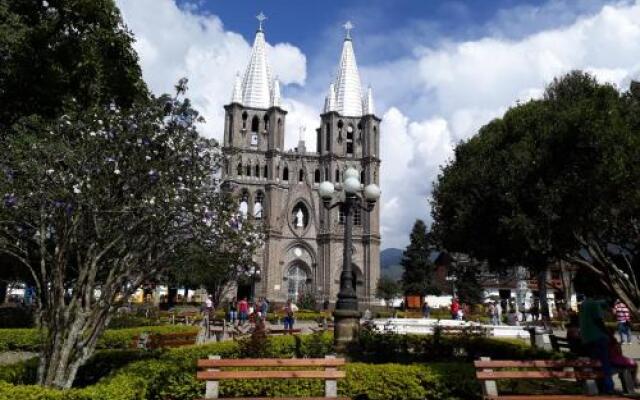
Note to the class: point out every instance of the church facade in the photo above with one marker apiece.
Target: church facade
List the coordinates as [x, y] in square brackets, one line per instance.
[278, 188]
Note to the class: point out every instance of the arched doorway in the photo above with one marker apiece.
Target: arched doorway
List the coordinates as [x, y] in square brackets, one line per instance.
[297, 277]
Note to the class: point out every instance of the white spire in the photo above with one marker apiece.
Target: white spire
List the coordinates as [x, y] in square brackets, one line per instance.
[330, 100]
[368, 105]
[348, 89]
[236, 97]
[275, 93]
[256, 83]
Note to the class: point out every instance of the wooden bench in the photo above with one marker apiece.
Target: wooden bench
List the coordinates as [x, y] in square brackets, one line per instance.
[209, 370]
[587, 371]
[165, 340]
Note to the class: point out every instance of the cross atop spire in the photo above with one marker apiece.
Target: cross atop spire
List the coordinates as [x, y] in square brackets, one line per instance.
[261, 18]
[348, 26]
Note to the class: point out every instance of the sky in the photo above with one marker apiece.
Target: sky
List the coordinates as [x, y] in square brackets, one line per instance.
[439, 70]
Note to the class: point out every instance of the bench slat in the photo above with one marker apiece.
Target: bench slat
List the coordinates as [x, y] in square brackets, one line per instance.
[555, 397]
[218, 375]
[288, 398]
[537, 364]
[496, 375]
[272, 362]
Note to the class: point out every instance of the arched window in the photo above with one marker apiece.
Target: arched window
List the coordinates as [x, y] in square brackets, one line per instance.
[374, 146]
[266, 123]
[258, 205]
[248, 170]
[244, 204]
[326, 174]
[350, 140]
[255, 124]
[265, 172]
[301, 176]
[296, 282]
[239, 169]
[279, 127]
[285, 174]
[244, 120]
[327, 136]
[362, 177]
[257, 173]
[316, 176]
[337, 175]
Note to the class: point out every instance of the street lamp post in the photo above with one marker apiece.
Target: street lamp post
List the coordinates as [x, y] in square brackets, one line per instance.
[452, 278]
[346, 314]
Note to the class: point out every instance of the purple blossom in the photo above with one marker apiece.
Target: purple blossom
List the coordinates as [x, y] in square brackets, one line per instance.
[10, 200]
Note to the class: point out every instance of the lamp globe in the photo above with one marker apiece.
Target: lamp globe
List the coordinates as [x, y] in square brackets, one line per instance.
[326, 189]
[372, 192]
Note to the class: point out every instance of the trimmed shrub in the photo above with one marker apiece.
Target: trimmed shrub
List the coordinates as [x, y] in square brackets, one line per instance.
[30, 339]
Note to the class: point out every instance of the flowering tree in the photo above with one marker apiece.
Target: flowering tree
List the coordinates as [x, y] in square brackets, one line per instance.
[98, 203]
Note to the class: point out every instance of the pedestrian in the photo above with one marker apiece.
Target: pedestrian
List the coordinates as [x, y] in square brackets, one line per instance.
[243, 310]
[491, 312]
[595, 338]
[499, 312]
[233, 311]
[618, 360]
[289, 315]
[426, 310]
[264, 309]
[623, 317]
[455, 307]
[208, 306]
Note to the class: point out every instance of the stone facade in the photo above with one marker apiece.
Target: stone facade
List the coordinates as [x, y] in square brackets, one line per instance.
[277, 187]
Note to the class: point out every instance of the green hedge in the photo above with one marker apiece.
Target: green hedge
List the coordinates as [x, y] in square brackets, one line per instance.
[30, 339]
[171, 375]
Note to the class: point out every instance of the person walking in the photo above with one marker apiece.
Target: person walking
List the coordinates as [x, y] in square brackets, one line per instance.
[243, 310]
[289, 315]
[264, 309]
[595, 338]
[426, 310]
[623, 317]
[493, 315]
[233, 311]
[455, 308]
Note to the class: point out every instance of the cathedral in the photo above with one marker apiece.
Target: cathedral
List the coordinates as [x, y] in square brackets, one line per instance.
[278, 188]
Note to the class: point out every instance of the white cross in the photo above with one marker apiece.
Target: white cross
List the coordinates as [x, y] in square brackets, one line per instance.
[261, 18]
[348, 26]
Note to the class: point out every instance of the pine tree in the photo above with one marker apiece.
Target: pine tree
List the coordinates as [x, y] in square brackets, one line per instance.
[418, 268]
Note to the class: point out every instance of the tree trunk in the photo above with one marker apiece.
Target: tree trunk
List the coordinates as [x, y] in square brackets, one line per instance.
[3, 291]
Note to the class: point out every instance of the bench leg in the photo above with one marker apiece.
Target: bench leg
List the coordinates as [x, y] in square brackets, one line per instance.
[212, 390]
[628, 384]
[489, 388]
[330, 386]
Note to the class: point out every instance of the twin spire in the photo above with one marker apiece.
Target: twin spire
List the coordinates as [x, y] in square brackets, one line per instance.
[257, 89]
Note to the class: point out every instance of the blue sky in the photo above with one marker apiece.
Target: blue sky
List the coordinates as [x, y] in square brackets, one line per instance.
[439, 69]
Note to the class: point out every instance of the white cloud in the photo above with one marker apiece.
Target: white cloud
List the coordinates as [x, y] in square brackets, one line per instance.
[430, 98]
[178, 42]
[457, 87]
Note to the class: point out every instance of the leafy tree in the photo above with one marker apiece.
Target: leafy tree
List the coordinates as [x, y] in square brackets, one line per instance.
[60, 52]
[388, 289]
[418, 268]
[468, 287]
[206, 264]
[103, 199]
[553, 179]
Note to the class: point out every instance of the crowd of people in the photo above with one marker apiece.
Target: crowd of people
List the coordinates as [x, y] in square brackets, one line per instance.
[242, 311]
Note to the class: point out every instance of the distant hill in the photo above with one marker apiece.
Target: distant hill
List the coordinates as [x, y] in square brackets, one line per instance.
[390, 263]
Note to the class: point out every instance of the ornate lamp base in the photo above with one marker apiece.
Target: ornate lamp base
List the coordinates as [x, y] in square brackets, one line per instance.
[346, 327]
